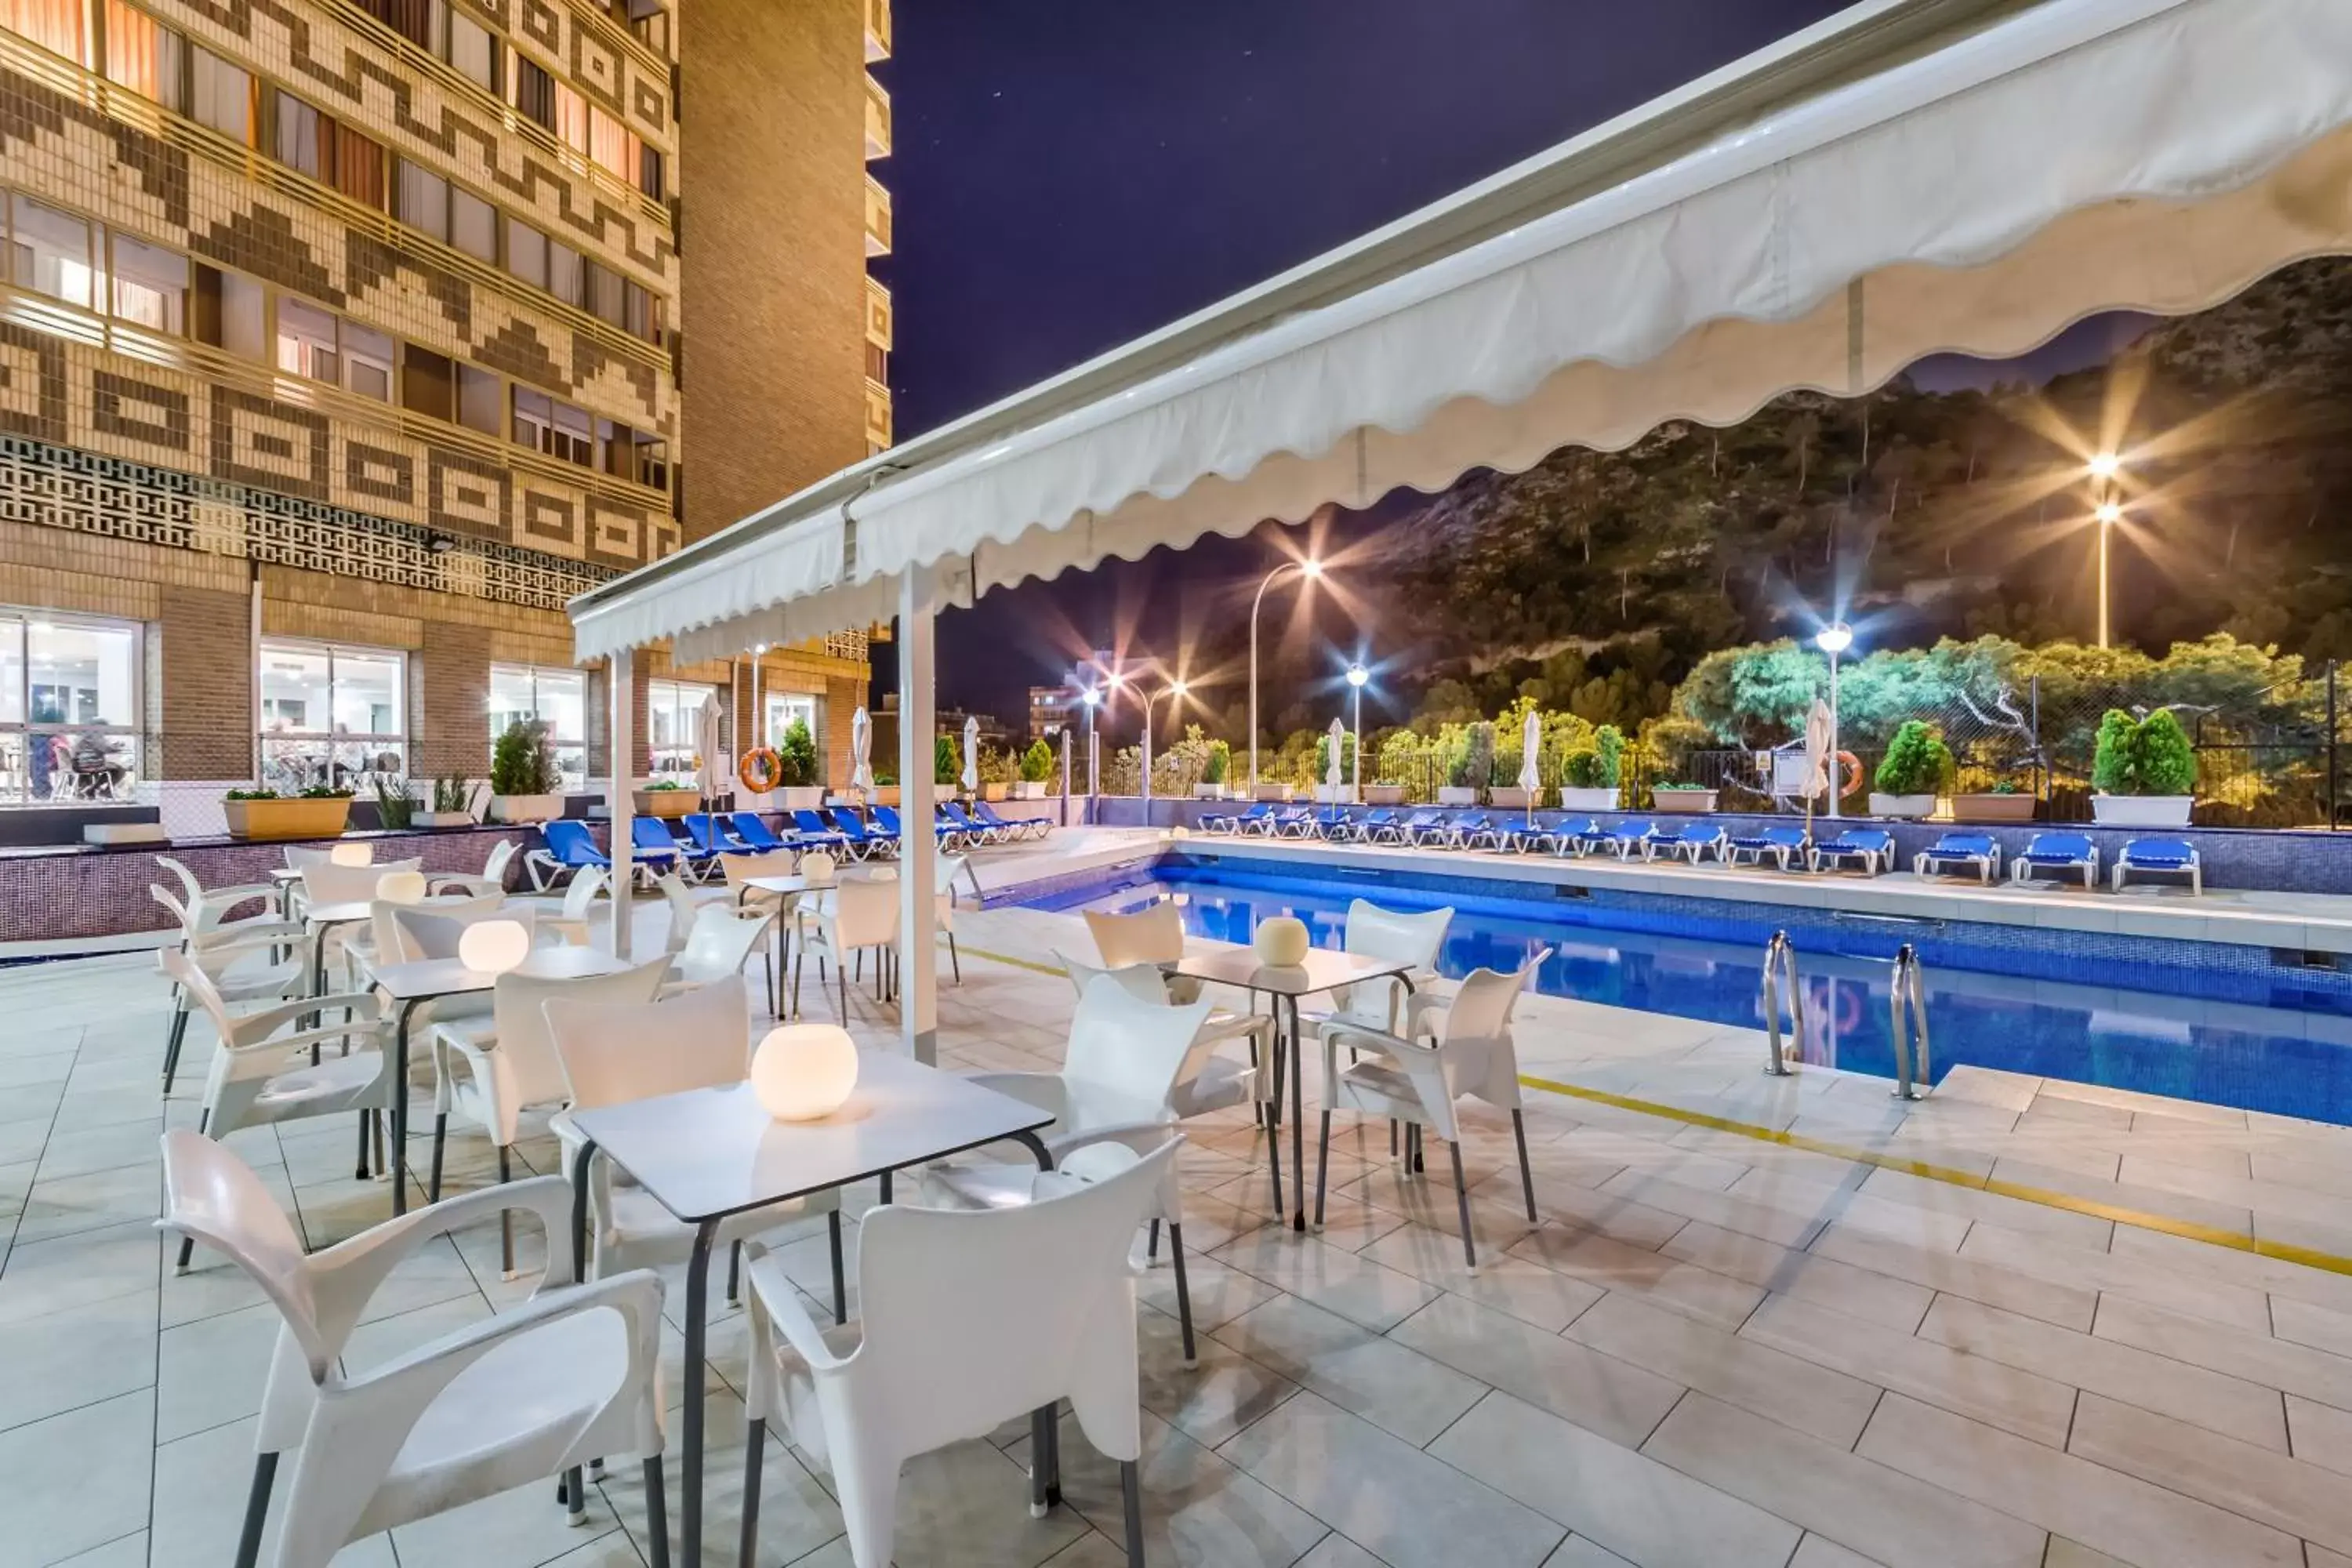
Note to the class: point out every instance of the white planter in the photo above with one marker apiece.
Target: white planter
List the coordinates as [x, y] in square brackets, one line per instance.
[1457, 795]
[1598, 798]
[1208, 792]
[2142, 810]
[1681, 801]
[1029, 789]
[798, 798]
[1908, 805]
[124, 832]
[526, 807]
[1326, 795]
[442, 819]
[1280, 792]
[1384, 794]
[1511, 798]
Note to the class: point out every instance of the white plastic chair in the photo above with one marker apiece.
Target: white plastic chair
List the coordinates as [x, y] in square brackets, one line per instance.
[210, 907]
[224, 954]
[1209, 1082]
[859, 915]
[572, 919]
[965, 1320]
[685, 909]
[1128, 1052]
[528, 1393]
[1153, 934]
[1408, 1081]
[302, 857]
[489, 1070]
[949, 867]
[258, 1075]
[328, 883]
[1398, 938]
[717, 948]
[614, 1053]
[492, 879]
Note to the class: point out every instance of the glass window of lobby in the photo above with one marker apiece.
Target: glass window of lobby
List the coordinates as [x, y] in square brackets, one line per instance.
[70, 708]
[331, 715]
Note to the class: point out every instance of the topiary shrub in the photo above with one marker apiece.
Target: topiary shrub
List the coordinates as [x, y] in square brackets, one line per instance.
[2143, 757]
[946, 767]
[1473, 765]
[1609, 745]
[1917, 762]
[2111, 760]
[1584, 770]
[796, 757]
[1220, 764]
[1036, 763]
[523, 760]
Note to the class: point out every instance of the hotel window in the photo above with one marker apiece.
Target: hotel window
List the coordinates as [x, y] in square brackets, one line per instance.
[367, 362]
[556, 429]
[230, 313]
[614, 145]
[70, 706]
[331, 715]
[359, 166]
[783, 708]
[479, 405]
[527, 253]
[534, 92]
[150, 286]
[632, 455]
[563, 274]
[673, 719]
[220, 95]
[424, 198]
[559, 698]
[57, 25]
[473, 225]
[305, 138]
[50, 253]
[643, 313]
[650, 177]
[607, 301]
[570, 123]
[145, 57]
[305, 341]
[474, 50]
[419, 21]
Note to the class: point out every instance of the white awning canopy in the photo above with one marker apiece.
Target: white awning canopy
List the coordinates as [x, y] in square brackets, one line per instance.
[1908, 178]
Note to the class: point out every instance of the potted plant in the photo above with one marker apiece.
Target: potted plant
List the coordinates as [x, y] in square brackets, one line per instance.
[1401, 757]
[1589, 773]
[395, 808]
[1682, 799]
[997, 770]
[1466, 768]
[1214, 773]
[1036, 767]
[1913, 773]
[2004, 802]
[665, 798]
[885, 787]
[523, 780]
[318, 812]
[797, 769]
[452, 805]
[2143, 770]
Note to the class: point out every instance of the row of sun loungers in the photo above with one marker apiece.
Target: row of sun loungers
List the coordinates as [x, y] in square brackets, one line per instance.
[1871, 850]
[567, 846]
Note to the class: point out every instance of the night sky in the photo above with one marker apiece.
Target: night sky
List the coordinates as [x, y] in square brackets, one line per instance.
[1069, 175]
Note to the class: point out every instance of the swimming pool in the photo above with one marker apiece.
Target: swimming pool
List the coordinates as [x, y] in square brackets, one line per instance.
[2216, 1025]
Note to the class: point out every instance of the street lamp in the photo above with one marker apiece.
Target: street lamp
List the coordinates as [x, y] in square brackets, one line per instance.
[1834, 640]
[2104, 468]
[1357, 676]
[1092, 698]
[1176, 689]
[1309, 570]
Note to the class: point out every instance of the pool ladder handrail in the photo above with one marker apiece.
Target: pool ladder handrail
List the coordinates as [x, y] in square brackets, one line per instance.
[1779, 981]
[1908, 993]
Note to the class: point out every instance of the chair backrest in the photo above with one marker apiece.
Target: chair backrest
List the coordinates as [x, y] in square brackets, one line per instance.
[718, 944]
[1792, 836]
[1963, 844]
[2178, 850]
[587, 883]
[810, 821]
[818, 866]
[192, 891]
[569, 842]
[701, 829]
[752, 830]
[430, 932]
[1144, 982]
[1634, 827]
[517, 1007]
[181, 967]
[849, 823]
[741, 868]
[615, 1052]
[212, 1196]
[1125, 1050]
[865, 911]
[682, 908]
[392, 944]
[2078, 844]
[1391, 934]
[945, 869]
[652, 833]
[494, 865]
[1153, 934]
[888, 819]
[181, 913]
[1482, 1057]
[1044, 1306]
[302, 857]
[330, 884]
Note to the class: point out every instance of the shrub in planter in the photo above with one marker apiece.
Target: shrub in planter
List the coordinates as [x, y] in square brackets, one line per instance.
[318, 812]
[523, 780]
[1914, 772]
[947, 768]
[796, 757]
[1036, 769]
[395, 808]
[2143, 770]
[1589, 775]
[452, 804]
[665, 798]
[2004, 802]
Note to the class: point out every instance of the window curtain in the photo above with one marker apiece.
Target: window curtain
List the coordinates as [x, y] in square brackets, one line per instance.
[359, 163]
[61, 26]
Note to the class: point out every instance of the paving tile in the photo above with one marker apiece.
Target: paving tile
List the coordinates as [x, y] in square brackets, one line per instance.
[2321, 1434]
[1845, 1204]
[45, 1277]
[76, 1481]
[1743, 1372]
[1384, 1380]
[1858, 1503]
[1810, 1276]
[1788, 1224]
[1577, 1551]
[2142, 1524]
[1568, 1378]
[1409, 1508]
[2229, 1406]
[1993, 1208]
[2288, 1494]
[1336, 1551]
[1529, 1291]
[1815, 1552]
[81, 1356]
[2019, 1401]
[1213, 1400]
[1634, 1506]
[2075, 1268]
[2229, 1267]
[2253, 1358]
[1959, 1275]
[1355, 1288]
[2065, 1553]
[1664, 1278]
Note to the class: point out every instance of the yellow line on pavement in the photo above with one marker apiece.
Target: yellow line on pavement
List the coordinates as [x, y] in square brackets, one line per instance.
[1950, 1175]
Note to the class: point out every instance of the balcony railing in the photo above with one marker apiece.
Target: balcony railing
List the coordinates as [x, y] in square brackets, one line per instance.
[877, 30]
[878, 413]
[877, 120]
[878, 218]
[877, 314]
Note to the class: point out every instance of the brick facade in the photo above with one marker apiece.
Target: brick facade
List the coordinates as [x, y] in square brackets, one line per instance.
[200, 684]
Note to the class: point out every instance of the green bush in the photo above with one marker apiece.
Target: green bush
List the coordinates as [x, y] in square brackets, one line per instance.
[1583, 770]
[2143, 757]
[796, 757]
[1346, 758]
[523, 760]
[1473, 765]
[1609, 745]
[1219, 764]
[395, 808]
[946, 766]
[323, 792]
[1917, 762]
[1037, 762]
[452, 793]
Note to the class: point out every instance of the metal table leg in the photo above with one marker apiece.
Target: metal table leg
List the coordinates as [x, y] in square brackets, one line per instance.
[697, 1306]
[400, 1110]
[1044, 1426]
[1289, 1005]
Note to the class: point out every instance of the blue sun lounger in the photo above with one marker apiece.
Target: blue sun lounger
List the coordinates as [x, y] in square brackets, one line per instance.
[1780, 843]
[1623, 838]
[1976, 851]
[1874, 847]
[2159, 857]
[565, 846]
[1692, 839]
[1235, 821]
[2059, 855]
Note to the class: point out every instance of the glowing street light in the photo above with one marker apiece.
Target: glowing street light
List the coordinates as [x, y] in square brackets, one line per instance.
[1175, 688]
[1309, 570]
[1091, 698]
[2104, 469]
[1357, 676]
[1834, 640]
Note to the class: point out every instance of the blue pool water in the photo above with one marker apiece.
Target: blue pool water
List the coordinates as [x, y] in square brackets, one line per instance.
[2239, 1036]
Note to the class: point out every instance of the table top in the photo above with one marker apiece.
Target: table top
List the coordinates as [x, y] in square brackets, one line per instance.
[338, 914]
[285, 874]
[427, 978]
[806, 884]
[710, 1152]
[1326, 969]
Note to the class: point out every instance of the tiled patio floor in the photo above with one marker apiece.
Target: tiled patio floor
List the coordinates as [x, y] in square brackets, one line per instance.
[1715, 1350]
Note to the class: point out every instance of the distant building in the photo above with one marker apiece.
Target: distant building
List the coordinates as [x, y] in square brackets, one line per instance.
[1052, 707]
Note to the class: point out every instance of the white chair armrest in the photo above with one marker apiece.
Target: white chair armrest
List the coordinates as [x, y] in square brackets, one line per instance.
[774, 1298]
[366, 1008]
[249, 938]
[635, 1295]
[1046, 1090]
[476, 886]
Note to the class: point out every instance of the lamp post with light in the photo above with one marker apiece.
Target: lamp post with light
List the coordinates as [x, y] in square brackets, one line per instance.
[1174, 689]
[1309, 570]
[1091, 698]
[1834, 640]
[1357, 676]
[2105, 467]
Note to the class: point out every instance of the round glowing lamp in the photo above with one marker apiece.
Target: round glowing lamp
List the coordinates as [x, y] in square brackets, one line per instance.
[401, 887]
[1180, 831]
[351, 854]
[493, 947]
[1281, 941]
[803, 1072]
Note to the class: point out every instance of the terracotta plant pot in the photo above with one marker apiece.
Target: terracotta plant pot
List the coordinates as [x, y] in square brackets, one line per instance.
[1991, 808]
[1911, 806]
[522, 808]
[1681, 801]
[292, 818]
[667, 803]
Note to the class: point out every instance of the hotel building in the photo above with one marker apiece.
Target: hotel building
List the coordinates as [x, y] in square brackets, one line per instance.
[342, 341]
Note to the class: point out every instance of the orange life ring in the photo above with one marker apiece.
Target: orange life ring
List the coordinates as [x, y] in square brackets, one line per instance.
[760, 769]
[1849, 774]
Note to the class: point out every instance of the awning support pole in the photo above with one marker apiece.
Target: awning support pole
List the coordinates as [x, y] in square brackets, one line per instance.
[621, 671]
[918, 850]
